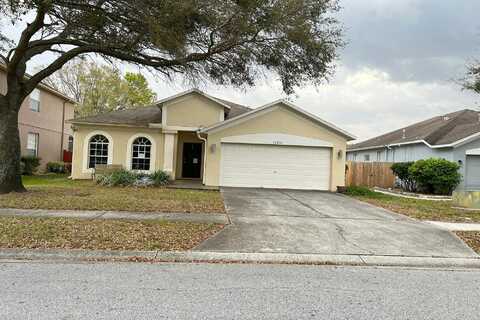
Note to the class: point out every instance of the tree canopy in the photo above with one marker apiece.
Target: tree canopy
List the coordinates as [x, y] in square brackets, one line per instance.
[228, 42]
[472, 80]
[295, 39]
[100, 88]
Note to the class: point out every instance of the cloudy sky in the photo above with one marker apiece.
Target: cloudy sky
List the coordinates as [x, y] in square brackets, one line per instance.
[397, 68]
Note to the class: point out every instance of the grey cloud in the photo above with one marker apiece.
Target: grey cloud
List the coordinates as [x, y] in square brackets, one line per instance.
[427, 40]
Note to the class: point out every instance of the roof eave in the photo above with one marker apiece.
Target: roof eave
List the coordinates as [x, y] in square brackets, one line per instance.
[342, 132]
[194, 90]
[46, 88]
[108, 124]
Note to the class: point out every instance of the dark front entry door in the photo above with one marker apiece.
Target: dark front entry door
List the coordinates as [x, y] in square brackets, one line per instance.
[192, 160]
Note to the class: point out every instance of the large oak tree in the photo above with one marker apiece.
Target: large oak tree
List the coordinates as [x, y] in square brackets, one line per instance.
[228, 42]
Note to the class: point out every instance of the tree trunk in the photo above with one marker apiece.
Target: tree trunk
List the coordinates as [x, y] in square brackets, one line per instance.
[10, 172]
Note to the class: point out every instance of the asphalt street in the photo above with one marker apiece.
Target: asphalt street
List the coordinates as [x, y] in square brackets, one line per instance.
[48, 290]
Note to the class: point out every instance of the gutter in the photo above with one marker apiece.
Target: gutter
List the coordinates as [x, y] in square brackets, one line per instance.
[450, 145]
[204, 164]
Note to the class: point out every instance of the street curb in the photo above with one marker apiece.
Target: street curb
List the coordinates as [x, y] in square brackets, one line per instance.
[238, 257]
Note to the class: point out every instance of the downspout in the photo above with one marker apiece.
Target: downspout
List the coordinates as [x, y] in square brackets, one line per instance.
[63, 132]
[204, 164]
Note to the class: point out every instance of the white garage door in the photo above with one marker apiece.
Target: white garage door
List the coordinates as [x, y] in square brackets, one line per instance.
[271, 166]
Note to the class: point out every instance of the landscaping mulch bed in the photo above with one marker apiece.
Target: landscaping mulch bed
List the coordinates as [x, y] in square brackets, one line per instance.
[472, 238]
[68, 233]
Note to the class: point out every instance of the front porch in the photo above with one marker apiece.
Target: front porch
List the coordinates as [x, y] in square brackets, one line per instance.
[187, 159]
[191, 184]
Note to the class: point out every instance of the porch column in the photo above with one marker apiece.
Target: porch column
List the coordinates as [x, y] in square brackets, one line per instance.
[169, 152]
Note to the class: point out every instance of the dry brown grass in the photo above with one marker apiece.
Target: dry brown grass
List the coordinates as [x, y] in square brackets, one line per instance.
[421, 209]
[63, 233]
[58, 193]
[472, 238]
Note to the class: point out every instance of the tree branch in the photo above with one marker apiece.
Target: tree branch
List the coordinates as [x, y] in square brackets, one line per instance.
[27, 34]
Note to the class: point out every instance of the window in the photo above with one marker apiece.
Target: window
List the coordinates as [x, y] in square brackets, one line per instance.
[32, 144]
[35, 100]
[70, 144]
[141, 149]
[355, 156]
[98, 151]
[366, 157]
[379, 156]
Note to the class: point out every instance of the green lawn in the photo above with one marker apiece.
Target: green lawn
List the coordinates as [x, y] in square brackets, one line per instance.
[63, 233]
[59, 193]
[420, 209]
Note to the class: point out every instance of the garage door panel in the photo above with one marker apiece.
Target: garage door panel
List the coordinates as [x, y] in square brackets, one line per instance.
[271, 166]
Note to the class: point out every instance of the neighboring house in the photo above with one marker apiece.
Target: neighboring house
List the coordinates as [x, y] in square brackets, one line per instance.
[196, 136]
[41, 122]
[453, 136]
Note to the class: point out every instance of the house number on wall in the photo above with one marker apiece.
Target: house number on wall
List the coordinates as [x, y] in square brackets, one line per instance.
[277, 142]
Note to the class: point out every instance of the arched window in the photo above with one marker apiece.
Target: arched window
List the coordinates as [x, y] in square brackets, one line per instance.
[141, 149]
[98, 151]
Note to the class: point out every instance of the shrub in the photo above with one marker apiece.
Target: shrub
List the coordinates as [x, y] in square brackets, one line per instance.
[437, 176]
[160, 178]
[126, 178]
[115, 178]
[360, 191]
[56, 167]
[401, 170]
[30, 165]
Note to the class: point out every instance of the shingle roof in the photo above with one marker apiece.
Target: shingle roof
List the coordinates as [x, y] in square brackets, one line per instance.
[439, 130]
[142, 116]
[235, 109]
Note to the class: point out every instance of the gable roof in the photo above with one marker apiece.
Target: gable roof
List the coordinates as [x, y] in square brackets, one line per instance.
[194, 90]
[440, 131]
[143, 116]
[257, 111]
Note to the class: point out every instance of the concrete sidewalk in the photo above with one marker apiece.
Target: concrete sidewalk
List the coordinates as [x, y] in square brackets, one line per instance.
[229, 257]
[81, 214]
[454, 226]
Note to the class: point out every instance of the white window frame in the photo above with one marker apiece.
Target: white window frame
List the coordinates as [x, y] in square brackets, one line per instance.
[35, 100]
[36, 142]
[153, 152]
[86, 147]
[379, 156]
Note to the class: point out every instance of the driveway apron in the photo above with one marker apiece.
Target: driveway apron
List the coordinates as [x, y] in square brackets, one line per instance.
[294, 221]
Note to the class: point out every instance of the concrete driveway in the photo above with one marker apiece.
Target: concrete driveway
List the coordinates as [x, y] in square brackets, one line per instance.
[292, 221]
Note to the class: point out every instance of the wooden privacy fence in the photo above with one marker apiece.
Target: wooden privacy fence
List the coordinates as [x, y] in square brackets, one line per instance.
[369, 174]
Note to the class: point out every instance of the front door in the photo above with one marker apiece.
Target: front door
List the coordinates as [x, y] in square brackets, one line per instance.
[192, 160]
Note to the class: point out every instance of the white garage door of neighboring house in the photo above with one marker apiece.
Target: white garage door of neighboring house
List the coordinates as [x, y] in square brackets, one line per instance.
[472, 172]
[272, 166]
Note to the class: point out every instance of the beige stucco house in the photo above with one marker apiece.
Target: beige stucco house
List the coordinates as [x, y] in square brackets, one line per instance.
[41, 122]
[195, 136]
